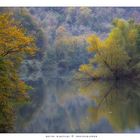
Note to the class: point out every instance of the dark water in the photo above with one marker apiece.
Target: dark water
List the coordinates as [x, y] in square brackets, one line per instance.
[61, 106]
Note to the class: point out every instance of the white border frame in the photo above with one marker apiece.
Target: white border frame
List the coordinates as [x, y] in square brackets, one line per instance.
[69, 3]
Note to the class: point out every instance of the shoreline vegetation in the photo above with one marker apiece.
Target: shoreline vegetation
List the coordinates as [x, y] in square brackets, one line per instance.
[117, 56]
[15, 46]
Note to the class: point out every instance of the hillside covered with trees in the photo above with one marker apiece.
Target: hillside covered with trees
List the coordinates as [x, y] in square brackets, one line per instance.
[67, 30]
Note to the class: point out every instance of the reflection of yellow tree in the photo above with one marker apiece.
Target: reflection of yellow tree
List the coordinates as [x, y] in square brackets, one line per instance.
[118, 102]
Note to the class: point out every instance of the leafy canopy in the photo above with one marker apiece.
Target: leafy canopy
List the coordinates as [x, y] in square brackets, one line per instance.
[116, 56]
[15, 44]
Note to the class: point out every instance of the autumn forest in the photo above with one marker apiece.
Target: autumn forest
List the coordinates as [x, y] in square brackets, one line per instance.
[70, 69]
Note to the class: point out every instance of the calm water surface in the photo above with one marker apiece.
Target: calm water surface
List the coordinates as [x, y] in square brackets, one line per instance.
[61, 106]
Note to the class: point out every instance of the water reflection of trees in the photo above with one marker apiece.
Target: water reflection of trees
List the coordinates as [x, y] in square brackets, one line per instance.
[119, 102]
[27, 111]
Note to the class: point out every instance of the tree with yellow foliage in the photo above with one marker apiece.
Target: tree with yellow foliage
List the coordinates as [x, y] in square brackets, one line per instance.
[15, 45]
[13, 39]
[117, 56]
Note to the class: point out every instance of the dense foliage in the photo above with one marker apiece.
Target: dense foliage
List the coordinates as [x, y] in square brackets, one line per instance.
[14, 46]
[118, 55]
[67, 53]
[70, 26]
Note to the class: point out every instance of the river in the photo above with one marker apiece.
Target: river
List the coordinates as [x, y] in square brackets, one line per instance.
[62, 106]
